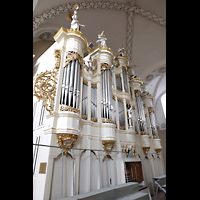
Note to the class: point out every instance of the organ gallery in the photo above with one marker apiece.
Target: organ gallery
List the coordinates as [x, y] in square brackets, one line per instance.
[93, 116]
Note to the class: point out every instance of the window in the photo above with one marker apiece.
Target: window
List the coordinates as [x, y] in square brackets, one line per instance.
[41, 120]
[163, 102]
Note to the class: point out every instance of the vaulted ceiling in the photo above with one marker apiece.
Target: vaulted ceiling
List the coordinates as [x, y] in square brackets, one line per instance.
[138, 25]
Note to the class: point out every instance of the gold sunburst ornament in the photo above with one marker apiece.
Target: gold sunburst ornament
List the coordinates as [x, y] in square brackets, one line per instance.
[76, 7]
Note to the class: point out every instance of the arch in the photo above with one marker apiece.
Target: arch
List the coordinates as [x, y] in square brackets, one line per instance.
[94, 172]
[84, 175]
[108, 171]
[55, 191]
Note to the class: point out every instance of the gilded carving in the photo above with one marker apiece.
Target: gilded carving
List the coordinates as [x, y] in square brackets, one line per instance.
[105, 66]
[84, 117]
[145, 150]
[94, 119]
[92, 65]
[157, 152]
[143, 133]
[66, 140]
[71, 55]
[150, 109]
[105, 120]
[108, 145]
[44, 86]
[69, 108]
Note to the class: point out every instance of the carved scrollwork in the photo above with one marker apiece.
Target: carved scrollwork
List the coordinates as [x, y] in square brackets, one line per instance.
[44, 87]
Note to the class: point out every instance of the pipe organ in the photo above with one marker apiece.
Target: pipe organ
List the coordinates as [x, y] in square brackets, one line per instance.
[94, 97]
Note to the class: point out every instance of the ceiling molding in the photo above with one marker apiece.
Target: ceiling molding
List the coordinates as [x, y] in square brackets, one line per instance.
[129, 8]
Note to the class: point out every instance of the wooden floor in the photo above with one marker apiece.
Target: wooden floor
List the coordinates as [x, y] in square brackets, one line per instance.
[160, 196]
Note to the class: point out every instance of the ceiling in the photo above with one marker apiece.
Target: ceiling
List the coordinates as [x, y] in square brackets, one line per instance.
[138, 25]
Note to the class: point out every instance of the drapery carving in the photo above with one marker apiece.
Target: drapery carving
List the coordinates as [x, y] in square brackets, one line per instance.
[44, 86]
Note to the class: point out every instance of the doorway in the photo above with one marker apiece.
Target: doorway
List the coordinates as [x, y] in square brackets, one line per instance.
[133, 172]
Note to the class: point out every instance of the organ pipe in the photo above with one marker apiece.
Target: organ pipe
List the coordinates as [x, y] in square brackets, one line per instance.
[75, 83]
[63, 85]
[71, 84]
[106, 91]
[101, 85]
[67, 83]
[78, 85]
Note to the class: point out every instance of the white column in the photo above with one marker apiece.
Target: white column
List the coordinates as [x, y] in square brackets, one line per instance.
[125, 114]
[148, 122]
[59, 77]
[117, 112]
[122, 79]
[136, 111]
[81, 96]
[89, 101]
[98, 102]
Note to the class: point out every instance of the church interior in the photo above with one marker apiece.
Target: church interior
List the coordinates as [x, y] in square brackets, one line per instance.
[99, 99]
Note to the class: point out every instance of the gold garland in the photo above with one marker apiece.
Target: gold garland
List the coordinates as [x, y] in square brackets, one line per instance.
[44, 86]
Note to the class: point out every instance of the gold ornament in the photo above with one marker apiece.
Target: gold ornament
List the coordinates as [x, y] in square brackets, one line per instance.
[44, 86]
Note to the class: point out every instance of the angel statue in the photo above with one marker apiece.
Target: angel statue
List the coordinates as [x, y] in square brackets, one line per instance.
[101, 39]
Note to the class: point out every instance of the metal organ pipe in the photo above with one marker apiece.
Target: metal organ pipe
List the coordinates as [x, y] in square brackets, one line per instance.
[110, 92]
[101, 77]
[78, 84]
[95, 102]
[71, 86]
[106, 97]
[63, 85]
[67, 82]
[104, 100]
[75, 83]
